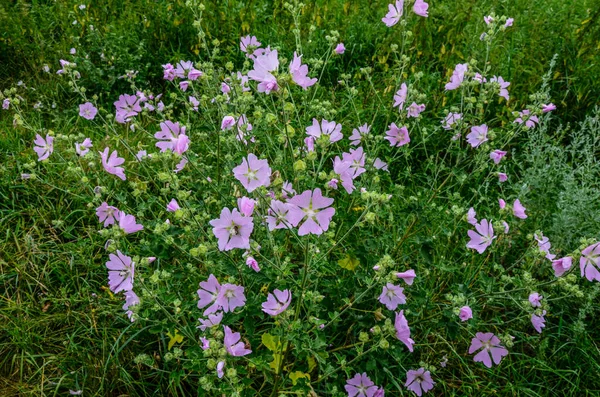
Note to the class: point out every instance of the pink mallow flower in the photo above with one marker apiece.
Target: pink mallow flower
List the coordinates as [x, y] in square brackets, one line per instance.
[253, 173]
[359, 134]
[408, 276]
[329, 128]
[207, 295]
[482, 237]
[107, 214]
[400, 97]
[111, 164]
[589, 263]
[233, 344]
[173, 206]
[392, 296]
[277, 302]
[394, 13]
[120, 274]
[471, 214]
[497, 155]
[451, 119]
[252, 264]
[87, 111]
[414, 110]
[172, 137]
[232, 229]
[127, 106]
[503, 85]
[128, 223]
[43, 147]
[519, 210]
[478, 135]
[397, 136]
[212, 321]
[419, 381]
[465, 313]
[562, 265]
[246, 205]
[265, 63]
[131, 299]
[227, 123]
[420, 8]
[548, 108]
[538, 322]
[249, 41]
[220, 371]
[230, 297]
[526, 117]
[340, 48]
[502, 177]
[312, 208]
[299, 73]
[277, 215]
[360, 386]
[403, 330]
[84, 147]
[491, 349]
[457, 76]
[544, 245]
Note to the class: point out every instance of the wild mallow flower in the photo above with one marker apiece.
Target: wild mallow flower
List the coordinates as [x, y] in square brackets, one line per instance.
[491, 349]
[111, 164]
[502, 177]
[471, 216]
[84, 147]
[205, 343]
[265, 63]
[107, 214]
[394, 13]
[312, 208]
[589, 263]
[252, 264]
[408, 276]
[519, 210]
[227, 123]
[400, 97]
[419, 381]
[249, 44]
[220, 371]
[128, 223]
[277, 215]
[340, 49]
[414, 110]
[225, 88]
[173, 206]
[349, 167]
[207, 294]
[6, 104]
[380, 164]
[168, 72]
[131, 299]
[253, 173]
[185, 69]
[544, 245]
[478, 135]
[87, 111]
[359, 134]
[526, 117]
[232, 343]
[43, 147]
[509, 22]
[120, 272]
[299, 73]
[503, 85]
[172, 137]
[212, 321]
[465, 313]
[403, 330]
[127, 106]
[501, 203]
[457, 76]
[277, 302]
[246, 205]
[451, 119]
[497, 155]
[548, 108]
[397, 136]
[230, 297]
[562, 265]
[392, 296]
[179, 167]
[360, 386]
[232, 230]
[330, 128]
[538, 322]
[482, 237]
[420, 8]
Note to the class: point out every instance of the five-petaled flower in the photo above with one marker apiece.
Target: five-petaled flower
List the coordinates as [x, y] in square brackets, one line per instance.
[277, 302]
[419, 381]
[491, 349]
[44, 147]
[360, 386]
[314, 209]
[120, 275]
[392, 296]
[482, 237]
[233, 344]
[253, 173]
[397, 136]
[111, 163]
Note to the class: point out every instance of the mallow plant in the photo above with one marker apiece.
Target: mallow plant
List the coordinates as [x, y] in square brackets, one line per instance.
[283, 235]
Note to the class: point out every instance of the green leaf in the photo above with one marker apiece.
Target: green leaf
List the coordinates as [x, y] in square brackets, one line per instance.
[348, 263]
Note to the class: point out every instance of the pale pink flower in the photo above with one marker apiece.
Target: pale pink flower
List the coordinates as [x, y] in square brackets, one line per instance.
[415, 110]
[128, 223]
[562, 265]
[490, 346]
[589, 263]
[312, 208]
[233, 344]
[330, 128]
[84, 147]
[340, 49]
[457, 76]
[538, 322]
[43, 147]
[394, 14]
[277, 302]
[400, 97]
[111, 163]
[451, 119]
[127, 106]
[478, 135]
[471, 216]
[465, 313]
[497, 155]
[87, 111]
[299, 73]
[420, 8]
[519, 210]
[403, 330]
[408, 276]
[227, 123]
[503, 85]
[207, 295]
[249, 41]
[502, 177]
[232, 230]
[172, 137]
[173, 206]
[265, 63]
[107, 214]
[277, 215]
[397, 136]
[501, 204]
[253, 173]
[380, 164]
[525, 117]
[509, 22]
[359, 134]
[121, 270]
[246, 205]
[419, 381]
[548, 108]
[482, 237]
[392, 296]
[360, 386]
[252, 264]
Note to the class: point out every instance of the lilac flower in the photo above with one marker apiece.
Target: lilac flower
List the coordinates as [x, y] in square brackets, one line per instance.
[538, 322]
[488, 19]
[350, 167]
[482, 237]
[450, 120]
[232, 229]
[502, 177]
[519, 210]
[131, 299]
[180, 165]
[408, 276]
[329, 128]
[207, 294]
[87, 111]
[265, 63]
[253, 173]
[128, 224]
[311, 207]
[414, 110]
[205, 343]
[225, 88]
[6, 104]
[277, 302]
[419, 381]
[220, 372]
[168, 72]
[127, 106]
[457, 76]
[227, 123]
[107, 214]
[400, 97]
[252, 264]
[420, 8]
[309, 142]
[492, 349]
[359, 134]
[394, 14]
[44, 147]
[526, 117]
[299, 73]
[544, 245]
[501, 203]
[506, 227]
[172, 137]
[287, 190]
[471, 216]
[84, 147]
[246, 205]
[548, 108]
[503, 84]
[403, 330]
[249, 41]
[183, 85]
[230, 297]
[277, 215]
[397, 136]
[589, 263]
[392, 296]
[562, 265]
[379, 392]
[173, 206]
[340, 49]
[233, 345]
[509, 22]
[185, 69]
[111, 163]
[120, 274]
[478, 135]
[465, 313]
[243, 129]
[497, 155]
[360, 386]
